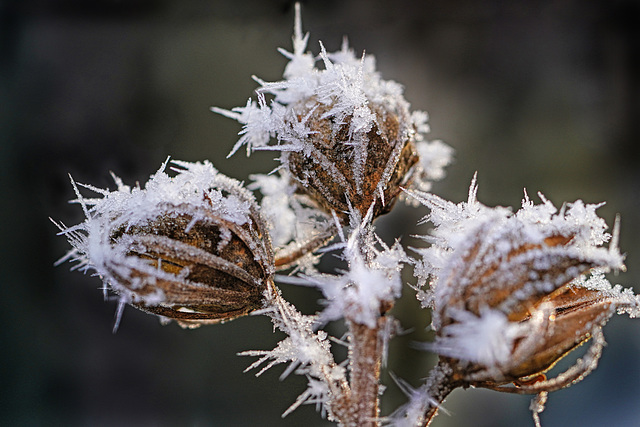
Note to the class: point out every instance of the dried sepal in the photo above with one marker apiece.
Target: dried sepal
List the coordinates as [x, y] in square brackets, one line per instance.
[574, 312]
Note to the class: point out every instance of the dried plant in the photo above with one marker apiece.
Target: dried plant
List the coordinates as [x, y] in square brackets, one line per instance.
[510, 293]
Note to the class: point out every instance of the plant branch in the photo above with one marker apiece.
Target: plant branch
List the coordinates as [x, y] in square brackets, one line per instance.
[439, 384]
[360, 405]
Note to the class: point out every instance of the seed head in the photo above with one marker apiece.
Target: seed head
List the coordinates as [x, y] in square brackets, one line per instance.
[192, 247]
[514, 293]
[347, 137]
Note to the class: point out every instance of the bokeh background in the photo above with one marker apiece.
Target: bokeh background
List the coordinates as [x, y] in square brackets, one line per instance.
[535, 94]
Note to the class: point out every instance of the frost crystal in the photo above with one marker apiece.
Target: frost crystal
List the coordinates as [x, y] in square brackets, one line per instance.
[487, 339]
[371, 283]
[307, 352]
[292, 219]
[421, 400]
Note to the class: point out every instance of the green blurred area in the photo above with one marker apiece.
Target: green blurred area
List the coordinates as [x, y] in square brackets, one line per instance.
[540, 95]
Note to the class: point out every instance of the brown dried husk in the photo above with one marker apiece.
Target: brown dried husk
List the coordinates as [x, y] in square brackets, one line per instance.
[573, 312]
[218, 270]
[390, 157]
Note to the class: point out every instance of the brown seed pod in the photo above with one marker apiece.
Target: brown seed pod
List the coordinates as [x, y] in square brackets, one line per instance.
[513, 293]
[342, 170]
[531, 285]
[209, 271]
[192, 247]
[347, 137]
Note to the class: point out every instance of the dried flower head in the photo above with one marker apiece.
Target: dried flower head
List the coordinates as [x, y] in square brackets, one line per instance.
[191, 247]
[509, 292]
[347, 137]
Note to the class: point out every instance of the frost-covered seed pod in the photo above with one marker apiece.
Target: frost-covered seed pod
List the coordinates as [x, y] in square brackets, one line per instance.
[347, 137]
[191, 247]
[205, 270]
[529, 294]
[514, 293]
[341, 172]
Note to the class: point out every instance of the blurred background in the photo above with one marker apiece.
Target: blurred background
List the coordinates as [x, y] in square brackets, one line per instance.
[535, 94]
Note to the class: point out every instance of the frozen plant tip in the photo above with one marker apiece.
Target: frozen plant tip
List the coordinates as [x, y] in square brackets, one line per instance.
[346, 136]
[191, 247]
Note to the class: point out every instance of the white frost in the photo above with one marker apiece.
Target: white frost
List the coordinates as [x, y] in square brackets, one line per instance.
[372, 279]
[486, 339]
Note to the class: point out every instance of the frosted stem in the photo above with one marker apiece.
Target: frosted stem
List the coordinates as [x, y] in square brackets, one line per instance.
[287, 256]
[366, 355]
[359, 403]
[439, 384]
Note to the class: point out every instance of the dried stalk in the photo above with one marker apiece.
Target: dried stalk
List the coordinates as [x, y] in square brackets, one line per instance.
[359, 404]
[365, 360]
[439, 384]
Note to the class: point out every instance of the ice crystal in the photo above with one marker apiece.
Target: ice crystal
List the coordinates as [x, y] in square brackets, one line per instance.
[421, 399]
[371, 281]
[412, 413]
[277, 192]
[317, 393]
[307, 352]
[486, 339]
[624, 300]
[291, 217]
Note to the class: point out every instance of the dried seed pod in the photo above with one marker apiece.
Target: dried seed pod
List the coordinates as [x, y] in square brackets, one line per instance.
[522, 288]
[191, 247]
[343, 170]
[207, 270]
[347, 137]
[509, 292]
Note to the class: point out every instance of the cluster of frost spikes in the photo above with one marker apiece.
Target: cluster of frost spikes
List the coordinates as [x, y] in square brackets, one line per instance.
[290, 218]
[196, 188]
[371, 281]
[420, 400]
[307, 352]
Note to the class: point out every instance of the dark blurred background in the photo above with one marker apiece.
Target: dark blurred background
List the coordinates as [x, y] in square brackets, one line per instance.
[535, 94]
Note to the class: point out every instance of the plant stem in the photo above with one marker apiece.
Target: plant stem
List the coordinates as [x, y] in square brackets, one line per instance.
[366, 351]
[440, 383]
